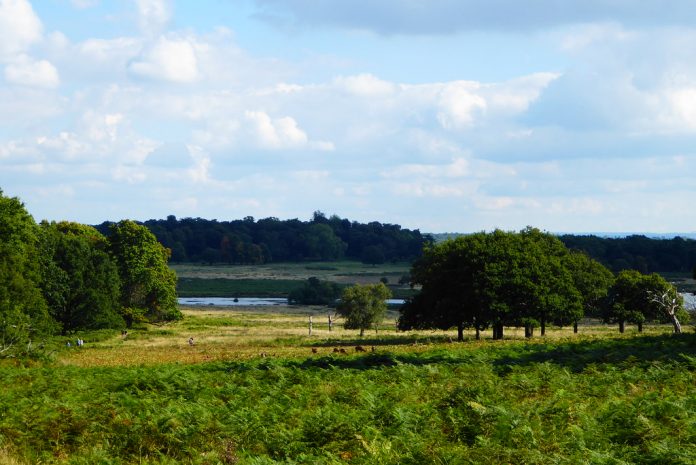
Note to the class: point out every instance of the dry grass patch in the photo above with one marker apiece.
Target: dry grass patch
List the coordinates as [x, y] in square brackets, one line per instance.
[243, 333]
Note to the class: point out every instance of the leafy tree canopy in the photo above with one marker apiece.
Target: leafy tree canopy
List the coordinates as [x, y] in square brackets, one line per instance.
[493, 279]
[80, 280]
[315, 292]
[636, 298]
[23, 311]
[146, 281]
[363, 306]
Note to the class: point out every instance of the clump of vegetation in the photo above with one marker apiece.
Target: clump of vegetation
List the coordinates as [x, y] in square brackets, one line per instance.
[528, 279]
[64, 277]
[315, 292]
[364, 306]
[271, 240]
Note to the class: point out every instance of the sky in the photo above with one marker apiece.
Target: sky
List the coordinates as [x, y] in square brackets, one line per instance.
[441, 115]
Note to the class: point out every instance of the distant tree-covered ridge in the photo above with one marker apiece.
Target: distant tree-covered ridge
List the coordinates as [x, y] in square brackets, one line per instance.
[633, 252]
[637, 252]
[250, 241]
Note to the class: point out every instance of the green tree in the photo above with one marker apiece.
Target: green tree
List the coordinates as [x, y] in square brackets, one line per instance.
[23, 311]
[315, 292]
[148, 286]
[449, 276]
[592, 280]
[628, 300]
[665, 302]
[322, 243]
[364, 306]
[493, 279]
[80, 280]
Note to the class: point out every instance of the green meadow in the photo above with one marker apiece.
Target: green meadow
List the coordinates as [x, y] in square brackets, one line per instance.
[257, 388]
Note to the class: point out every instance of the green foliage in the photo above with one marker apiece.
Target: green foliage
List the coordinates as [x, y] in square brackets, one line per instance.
[23, 311]
[591, 279]
[637, 252]
[496, 279]
[80, 280]
[146, 281]
[627, 400]
[636, 298]
[315, 292]
[252, 242]
[363, 306]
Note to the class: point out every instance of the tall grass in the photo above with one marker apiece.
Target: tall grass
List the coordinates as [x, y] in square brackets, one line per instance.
[569, 400]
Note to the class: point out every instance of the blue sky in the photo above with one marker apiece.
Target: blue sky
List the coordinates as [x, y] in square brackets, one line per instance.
[442, 115]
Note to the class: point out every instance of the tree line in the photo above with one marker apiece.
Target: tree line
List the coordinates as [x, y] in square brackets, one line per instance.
[250, 241]
[59, 277]
[528, 279]
[637, 252]
[634, 252]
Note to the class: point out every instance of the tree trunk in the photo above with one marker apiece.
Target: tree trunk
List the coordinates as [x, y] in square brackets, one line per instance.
[478, 334]
[575, 328]
[640, 327]
[675, 323]
[543, 326]
[622, 326]
[362, 332]
[498, 331]
[460, 332]
[528, 330]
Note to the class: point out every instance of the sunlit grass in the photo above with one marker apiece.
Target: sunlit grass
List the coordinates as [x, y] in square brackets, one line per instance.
[245, 333]
[251, 390]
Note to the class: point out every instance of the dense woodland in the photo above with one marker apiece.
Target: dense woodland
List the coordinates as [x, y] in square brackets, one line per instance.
[637, 252]
[249, 241]
[60, 277]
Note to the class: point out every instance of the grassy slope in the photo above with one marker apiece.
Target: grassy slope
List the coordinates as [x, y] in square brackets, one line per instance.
[592, 398]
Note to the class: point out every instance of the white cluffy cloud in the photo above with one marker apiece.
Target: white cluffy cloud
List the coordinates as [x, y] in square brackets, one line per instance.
[279, 133]
[19, 27]
[153, 15]
[168, 60]
[34, 73]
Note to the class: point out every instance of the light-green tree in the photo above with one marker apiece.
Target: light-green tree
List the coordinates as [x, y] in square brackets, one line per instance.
[148, 286]
[363, 306]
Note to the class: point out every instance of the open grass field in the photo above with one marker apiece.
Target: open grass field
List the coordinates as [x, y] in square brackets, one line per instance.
[278, 279]
[252, 391]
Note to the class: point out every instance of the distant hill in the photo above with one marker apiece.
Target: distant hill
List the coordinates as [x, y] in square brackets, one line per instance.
[618, 235]
[250, 241]
[650, 252]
